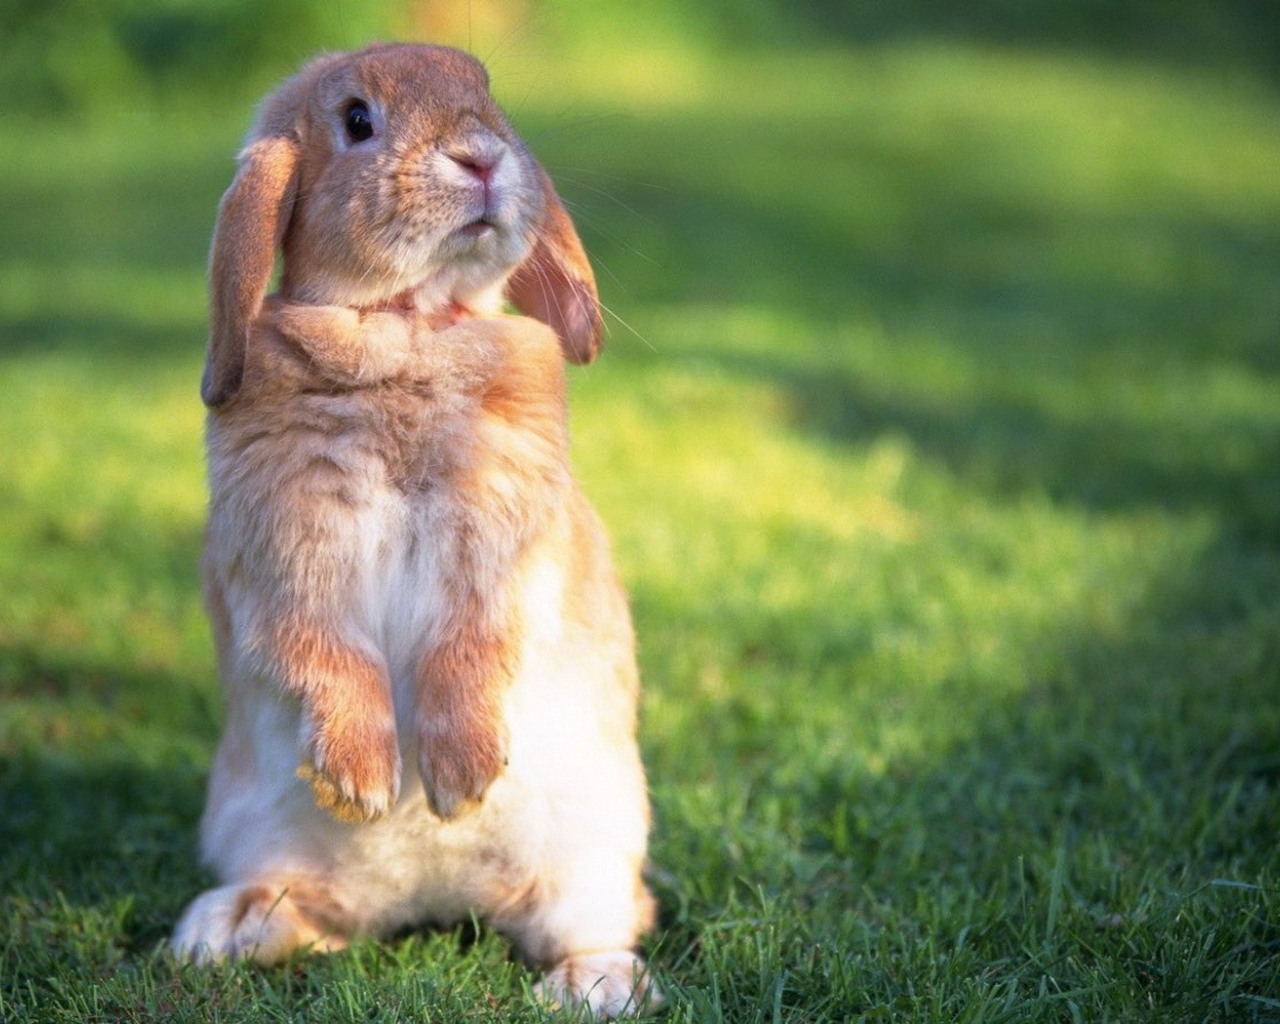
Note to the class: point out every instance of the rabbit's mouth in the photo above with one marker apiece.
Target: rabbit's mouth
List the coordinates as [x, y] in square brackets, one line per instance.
[478, 228]
[483, 243]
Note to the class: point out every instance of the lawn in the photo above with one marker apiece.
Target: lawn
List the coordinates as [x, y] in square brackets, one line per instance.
[938, 434]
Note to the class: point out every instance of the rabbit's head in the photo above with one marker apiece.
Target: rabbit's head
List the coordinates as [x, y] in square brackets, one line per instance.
[389, 177]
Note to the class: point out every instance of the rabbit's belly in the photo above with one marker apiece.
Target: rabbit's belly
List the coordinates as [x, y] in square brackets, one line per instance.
[401, 592]
[411, 868]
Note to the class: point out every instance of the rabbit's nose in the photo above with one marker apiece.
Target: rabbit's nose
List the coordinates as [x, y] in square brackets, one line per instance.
[477, 165]
[479, 157]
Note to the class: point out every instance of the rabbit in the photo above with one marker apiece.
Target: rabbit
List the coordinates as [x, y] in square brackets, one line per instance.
[427, 658]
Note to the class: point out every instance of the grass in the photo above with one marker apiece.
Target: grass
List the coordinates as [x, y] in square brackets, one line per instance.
[940, 455]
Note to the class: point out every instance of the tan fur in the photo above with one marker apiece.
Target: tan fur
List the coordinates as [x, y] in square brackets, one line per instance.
[402, 575]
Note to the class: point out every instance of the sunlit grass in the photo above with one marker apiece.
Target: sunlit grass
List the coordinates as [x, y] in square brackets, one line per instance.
[937, 434]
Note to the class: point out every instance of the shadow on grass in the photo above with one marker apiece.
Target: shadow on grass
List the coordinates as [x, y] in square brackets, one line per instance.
[112, 337]
[154, 210]
[1000, 274]
[95, 832]
[1190, 32]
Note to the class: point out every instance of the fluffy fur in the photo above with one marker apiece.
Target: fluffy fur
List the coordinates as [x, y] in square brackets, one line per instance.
[427, 658]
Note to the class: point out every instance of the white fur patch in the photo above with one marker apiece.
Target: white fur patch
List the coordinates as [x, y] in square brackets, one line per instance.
[613, 984]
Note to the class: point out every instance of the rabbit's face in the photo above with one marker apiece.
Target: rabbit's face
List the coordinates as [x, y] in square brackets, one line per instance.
[390, 179]
[413, 188]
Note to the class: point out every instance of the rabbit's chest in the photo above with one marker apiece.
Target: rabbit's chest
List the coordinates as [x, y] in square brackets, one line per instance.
[357, 510]
[418, 439]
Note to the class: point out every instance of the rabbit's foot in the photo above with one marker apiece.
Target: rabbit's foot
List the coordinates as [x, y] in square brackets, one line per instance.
[264, 922]
[611, 984]
[354, 770]
[460, 757]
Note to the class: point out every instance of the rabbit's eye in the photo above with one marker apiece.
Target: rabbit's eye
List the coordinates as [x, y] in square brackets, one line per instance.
[359, 122]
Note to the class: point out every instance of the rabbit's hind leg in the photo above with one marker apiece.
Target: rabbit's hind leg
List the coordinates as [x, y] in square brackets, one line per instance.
[264, 921]
[610, 984]
[583, 924]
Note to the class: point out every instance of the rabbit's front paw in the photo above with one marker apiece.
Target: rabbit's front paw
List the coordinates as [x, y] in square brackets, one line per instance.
[354, 767]
[301, 322]
[460, 756]
[343, 343]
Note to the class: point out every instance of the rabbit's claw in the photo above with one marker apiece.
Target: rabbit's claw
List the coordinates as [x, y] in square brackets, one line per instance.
[460, 758]
[354, 774]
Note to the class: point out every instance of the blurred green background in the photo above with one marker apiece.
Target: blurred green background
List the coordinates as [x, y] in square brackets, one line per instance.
[68, 55]
[938, 433]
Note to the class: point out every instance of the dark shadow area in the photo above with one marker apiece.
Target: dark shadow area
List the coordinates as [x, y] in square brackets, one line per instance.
[153, 214]
[1239, 32]
[137, 694]
[1000, 271]
[101, 787]
[109, 336]
[96, 831]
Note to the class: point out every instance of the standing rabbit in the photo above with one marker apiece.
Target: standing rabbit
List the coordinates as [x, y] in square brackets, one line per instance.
[427, 657]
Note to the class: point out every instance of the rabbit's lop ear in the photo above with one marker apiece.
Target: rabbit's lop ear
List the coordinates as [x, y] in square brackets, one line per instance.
[252, 219]
[555, 283]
